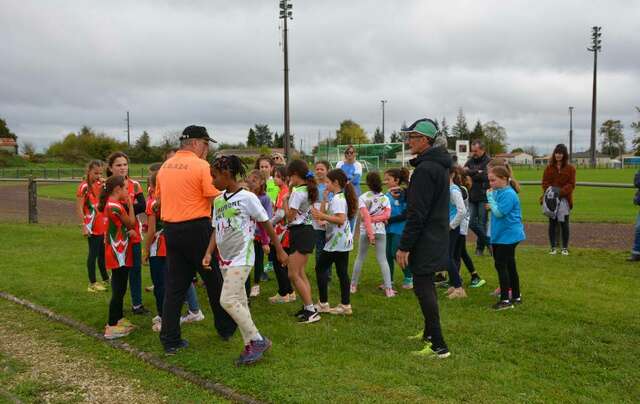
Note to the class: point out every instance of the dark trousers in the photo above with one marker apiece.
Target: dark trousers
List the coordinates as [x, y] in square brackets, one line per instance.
[553, 232]
[158, 268]
[425, 291]
[135, 276]
[504, 257]
[119, 279]
[323, 267]
[478, 224]
[96, 252]
[186, 245]
[464, 255]
[282, 275]
[454, 258]
[258, 267]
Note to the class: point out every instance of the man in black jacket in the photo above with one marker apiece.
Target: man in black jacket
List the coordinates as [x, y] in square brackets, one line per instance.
[425, 240]
[476, 168]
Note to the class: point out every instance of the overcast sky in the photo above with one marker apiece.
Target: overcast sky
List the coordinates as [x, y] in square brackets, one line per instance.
[64, 64]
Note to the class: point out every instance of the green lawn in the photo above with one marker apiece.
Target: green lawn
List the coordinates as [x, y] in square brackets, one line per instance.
[582, 174]
[573, 340]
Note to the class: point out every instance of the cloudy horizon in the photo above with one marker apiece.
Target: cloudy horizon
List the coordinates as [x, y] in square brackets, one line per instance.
[172, 63]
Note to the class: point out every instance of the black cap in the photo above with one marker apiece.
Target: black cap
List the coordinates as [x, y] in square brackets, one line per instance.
[196, 132]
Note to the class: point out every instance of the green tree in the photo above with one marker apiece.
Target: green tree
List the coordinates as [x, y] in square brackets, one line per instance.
[460, 130]
[86, 145]
[252, 141]
[612, 143]
[29, 151]
[495, 138]
[351, 133]
[395, 137]
[278, 141]
[264, 137]
[142, 152]
[5, 132]
[444, 127]
[636, 140]
[517, 150]
[477, 133]
[378, 137]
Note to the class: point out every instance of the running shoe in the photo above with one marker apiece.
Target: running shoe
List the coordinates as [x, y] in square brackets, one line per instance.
[477, 282]
[253, 352]
[116, 331]
[172, 350]
[322, 307]
[255, 291]
[141, 310]
[96, 287]
[292, 297]
[458, 293]
[123, 322]
[503, 305]
[553, 251]
[407, 283]
[149, 288]
[431, 351]
[565, 251]
[191, 317]
[344, 309]
[517, 300]
[390, 292]
[277, 299]
[309, 317]
[299, 313]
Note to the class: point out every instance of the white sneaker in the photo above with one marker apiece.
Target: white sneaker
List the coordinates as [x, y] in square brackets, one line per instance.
[553, 251]
[192, 317]
[255, 291]
[344, 309]
[323, 307]
[565, 251]
[156, 319]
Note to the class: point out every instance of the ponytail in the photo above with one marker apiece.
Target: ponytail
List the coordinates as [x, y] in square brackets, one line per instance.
[301, 169]
[349, 191]
[107, 189]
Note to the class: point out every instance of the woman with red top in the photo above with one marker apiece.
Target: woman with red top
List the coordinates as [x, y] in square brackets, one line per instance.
[562, 175]
[118, 250]
[93, 224]
[118, 164]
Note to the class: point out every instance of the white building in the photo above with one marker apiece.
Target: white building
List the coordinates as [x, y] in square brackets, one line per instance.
[517, 158]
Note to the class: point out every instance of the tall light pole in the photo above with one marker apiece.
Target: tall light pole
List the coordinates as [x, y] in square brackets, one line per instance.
[570, 134]
[383, 102]
[595, 48]
[128, 130]
[286, 14]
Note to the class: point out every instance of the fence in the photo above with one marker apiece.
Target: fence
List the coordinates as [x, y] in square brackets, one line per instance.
[58, 173]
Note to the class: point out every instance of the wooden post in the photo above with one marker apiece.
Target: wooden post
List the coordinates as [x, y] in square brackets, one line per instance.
[33, 201]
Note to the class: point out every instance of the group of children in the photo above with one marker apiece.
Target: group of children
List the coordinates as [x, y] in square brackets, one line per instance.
[279, 215]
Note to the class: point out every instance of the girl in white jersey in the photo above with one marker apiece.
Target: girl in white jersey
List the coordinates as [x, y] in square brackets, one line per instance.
[235, 213]
[303, 193]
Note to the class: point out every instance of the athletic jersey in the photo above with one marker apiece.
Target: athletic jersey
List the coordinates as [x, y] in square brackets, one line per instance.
[280, 226]
[134, 188]
[118, 247]
[376, 205]
[158, 246]
[338, 237]
[299, 200]
[234, 219]
[272, 190]
[94, 221]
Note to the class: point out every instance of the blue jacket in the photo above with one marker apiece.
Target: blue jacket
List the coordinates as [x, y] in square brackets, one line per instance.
[506, 216]
[398, 216]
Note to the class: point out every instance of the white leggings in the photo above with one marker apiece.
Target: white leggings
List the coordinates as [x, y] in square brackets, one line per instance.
[234, 300]
[381, 256]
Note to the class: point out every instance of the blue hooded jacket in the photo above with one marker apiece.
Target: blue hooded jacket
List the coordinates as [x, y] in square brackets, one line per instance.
[506, 216]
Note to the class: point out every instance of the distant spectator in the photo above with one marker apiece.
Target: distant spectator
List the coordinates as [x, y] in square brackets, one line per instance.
[635, 252]
[353, 169]
[476, 168]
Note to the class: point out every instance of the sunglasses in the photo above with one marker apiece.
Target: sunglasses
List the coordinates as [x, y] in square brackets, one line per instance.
[348, 153]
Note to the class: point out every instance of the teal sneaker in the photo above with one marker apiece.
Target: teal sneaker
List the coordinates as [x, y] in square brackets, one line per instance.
[477, 282]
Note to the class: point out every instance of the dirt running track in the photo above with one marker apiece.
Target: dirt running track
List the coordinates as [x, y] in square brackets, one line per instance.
[13, 208]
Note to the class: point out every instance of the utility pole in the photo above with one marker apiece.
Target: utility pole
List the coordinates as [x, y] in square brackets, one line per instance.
[383, 102]
[595, 48]
[570, 134]
[128, 131]
[286, 14]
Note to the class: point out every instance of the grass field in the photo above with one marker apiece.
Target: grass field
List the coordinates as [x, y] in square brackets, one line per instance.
[589, 201]
[573, 340]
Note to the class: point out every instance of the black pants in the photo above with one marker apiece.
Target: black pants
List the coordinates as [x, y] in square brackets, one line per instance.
[258, 267]
[96, 252]
[454, 258]
[186, 245]
[119, 278]
[158, 269]
[504, 257]
[282, 275]
[323, 268]
[564, 226]
[464, 255]
[425, 291]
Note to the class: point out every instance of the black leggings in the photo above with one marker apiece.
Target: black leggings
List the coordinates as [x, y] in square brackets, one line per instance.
[96, 251]
[425, 291]
[119, 278]
[504, 257]
[564, 226]
[454, 258]
[323, 267]
[258, 268]
[284, 284]
[468, 262]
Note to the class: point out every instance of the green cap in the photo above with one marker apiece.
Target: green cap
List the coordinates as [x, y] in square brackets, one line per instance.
[425, 127]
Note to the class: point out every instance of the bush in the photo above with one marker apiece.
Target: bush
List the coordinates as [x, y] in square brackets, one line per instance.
[11, 160]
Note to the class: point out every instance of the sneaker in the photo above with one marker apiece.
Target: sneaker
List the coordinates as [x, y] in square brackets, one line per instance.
[116, 331]
[292, 297]
[503, 305]
[517, 300]
[106, 283]
[249, 355]
[633, 258]
[309, 317]
[322, 307]
[565, 251]
[344, 309]
[174, 349]
[156, 319]
[299, 313]
[354, 288]
[140, 310]
[156, 326]
[450, 290]
[255, 291]
[553, 251]
[458, 293]
[191, 317]
[149, 289]
[477, 282]
[431, 351]
[123, 322]
[419, 335]
[390, 292]
[277, 299]
[96, 287]
[407, 283]
[262, 345]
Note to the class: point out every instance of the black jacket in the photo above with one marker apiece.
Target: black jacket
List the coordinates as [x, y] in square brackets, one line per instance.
[426, 233]
[478, 192]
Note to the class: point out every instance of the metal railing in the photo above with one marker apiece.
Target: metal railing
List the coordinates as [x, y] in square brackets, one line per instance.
[58, 173]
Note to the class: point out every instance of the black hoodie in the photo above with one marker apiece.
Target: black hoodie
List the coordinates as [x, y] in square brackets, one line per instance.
[477, 170]
[426, 233]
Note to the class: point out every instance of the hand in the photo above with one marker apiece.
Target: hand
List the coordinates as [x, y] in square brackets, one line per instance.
[145, 256]
[206, 261]
[85, 232]
[402, 257]
[317, 215]
[372, 239]
[266, 249]
[131, 233]
[282, 256]
[322, 222]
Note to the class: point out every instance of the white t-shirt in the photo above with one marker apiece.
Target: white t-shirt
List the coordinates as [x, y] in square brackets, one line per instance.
[375, 204]
[234, 219]
[299, 200]
[338, 237]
